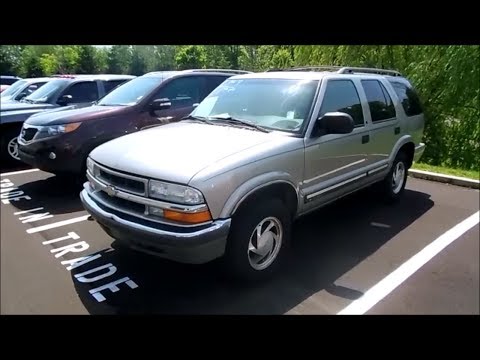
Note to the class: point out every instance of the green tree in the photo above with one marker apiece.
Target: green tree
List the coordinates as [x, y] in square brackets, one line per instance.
[10, 56]
[49, 64]
[87, 60]
[190, 57]
[119, 59]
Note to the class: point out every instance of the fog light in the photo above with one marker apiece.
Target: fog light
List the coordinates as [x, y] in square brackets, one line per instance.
[152, 210]
[52, 156]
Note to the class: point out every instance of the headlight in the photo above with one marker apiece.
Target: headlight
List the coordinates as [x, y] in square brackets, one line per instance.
[61, 129]
[175, 193]
[54, 130]
[90, 166]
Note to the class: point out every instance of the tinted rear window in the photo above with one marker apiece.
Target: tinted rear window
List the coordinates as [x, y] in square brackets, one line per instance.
[409, 98]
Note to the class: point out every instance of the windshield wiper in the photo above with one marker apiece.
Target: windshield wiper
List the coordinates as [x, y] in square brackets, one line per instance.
[27, 101]
[234, 120]
[198, 118]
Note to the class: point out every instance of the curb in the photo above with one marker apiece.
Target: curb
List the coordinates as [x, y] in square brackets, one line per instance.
[447, 179]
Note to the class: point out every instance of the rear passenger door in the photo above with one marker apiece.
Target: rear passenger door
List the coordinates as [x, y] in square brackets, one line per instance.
[211, 83]
[384, 126]
[82, 92]
[109, 85]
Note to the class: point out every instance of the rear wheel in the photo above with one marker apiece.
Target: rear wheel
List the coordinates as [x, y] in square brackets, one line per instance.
[394, 183]
[258, 240]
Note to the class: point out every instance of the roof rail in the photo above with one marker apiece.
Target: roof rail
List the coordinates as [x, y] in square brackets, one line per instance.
[352, 70]
[342, 70]
[316, 68]
[232, 71]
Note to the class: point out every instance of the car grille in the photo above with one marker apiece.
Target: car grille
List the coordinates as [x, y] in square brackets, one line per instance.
[122, 204]
[122, 183]
[28, 134]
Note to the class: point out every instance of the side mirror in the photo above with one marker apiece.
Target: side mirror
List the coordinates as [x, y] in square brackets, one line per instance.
[160, 104]
[64, 100]
[334, 123]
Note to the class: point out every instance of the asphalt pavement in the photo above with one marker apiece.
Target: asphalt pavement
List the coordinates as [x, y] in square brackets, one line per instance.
[55, 261]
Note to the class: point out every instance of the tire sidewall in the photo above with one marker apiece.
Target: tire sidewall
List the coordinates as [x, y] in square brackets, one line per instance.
[8, 134]
[391, 195]
[243, 225]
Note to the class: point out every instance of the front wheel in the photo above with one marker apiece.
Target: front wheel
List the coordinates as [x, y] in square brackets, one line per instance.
[258, 240]
[10, 145]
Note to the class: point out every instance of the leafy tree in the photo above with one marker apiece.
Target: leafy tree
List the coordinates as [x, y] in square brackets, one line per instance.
[191, 57]
[119, 59]
[87, 60]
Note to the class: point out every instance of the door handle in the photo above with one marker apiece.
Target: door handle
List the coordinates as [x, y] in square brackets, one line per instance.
[365, 139]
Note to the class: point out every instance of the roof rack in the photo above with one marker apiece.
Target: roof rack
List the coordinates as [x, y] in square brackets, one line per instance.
[221, 70]
[352, 70]
[342, 70]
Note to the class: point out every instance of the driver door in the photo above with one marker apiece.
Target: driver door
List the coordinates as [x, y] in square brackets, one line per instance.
[333, 160]
[182, 93]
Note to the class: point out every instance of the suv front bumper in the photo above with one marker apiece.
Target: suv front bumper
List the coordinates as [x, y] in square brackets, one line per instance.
[191, 245]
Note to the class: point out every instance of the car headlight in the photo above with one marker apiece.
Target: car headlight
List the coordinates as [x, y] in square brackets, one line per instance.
[174, 193]
[61, 129]
[90, 166]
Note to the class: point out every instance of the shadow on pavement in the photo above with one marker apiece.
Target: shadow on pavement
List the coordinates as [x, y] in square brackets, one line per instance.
[56, 195]
[326, 245]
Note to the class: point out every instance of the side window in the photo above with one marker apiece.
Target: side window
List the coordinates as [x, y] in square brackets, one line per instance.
[182, 92]
[33, 87]
[83, 92]
[409, 99]
[212, 82]
[380, 103]
[112, 84]
[342, 96]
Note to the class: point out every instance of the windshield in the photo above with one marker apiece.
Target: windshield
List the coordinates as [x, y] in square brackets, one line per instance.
[277, 104]
[132, 92]
[48, 91]
[16, 86]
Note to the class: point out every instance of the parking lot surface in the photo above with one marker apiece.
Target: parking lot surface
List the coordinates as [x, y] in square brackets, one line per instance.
[56, 261]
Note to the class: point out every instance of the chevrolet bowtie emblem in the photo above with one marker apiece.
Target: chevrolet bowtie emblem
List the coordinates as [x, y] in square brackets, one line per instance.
[110, 190]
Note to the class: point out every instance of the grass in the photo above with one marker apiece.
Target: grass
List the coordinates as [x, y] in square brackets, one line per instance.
[470, 174]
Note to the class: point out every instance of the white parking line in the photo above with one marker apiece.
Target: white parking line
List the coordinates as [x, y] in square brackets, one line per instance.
[57, 224]
[408, 268]
[19, 172]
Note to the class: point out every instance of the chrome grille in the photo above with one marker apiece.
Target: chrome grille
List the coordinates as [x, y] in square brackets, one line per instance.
[128, 183]
[28, 134]
[122, 204]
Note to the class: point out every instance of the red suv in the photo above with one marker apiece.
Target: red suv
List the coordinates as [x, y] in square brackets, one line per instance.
[59, 142]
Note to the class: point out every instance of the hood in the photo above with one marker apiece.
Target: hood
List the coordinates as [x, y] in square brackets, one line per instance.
[66, 115]
[5, 99]
[176, 152]
[20, 106]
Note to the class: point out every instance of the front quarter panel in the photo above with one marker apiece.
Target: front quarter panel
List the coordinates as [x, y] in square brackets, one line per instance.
[223, 192]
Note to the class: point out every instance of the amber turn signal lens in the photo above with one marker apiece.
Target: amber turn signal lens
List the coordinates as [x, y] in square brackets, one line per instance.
[190, 218]
[72, 126]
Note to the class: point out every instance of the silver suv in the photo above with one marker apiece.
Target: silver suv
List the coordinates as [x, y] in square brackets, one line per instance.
[260, 151]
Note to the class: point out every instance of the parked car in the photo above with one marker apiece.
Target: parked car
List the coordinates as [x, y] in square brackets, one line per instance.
[67, 92]
[60, 142]
[8, 79]
[259, 152]
[22, 88]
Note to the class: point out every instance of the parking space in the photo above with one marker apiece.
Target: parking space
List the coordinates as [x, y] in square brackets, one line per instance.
[54, 260]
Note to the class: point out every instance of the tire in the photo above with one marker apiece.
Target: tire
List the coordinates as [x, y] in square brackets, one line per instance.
[9, 146]
[255, 265]
[393, 186]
